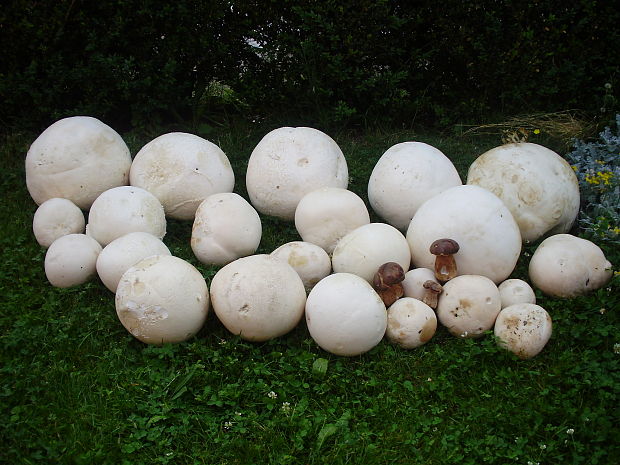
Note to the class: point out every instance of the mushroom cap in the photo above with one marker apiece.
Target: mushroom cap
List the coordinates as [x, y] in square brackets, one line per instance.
[524, 329]
[516, 291]
[388, 274]
[162, 299]
[70, 260]
[56, 218]
[410, 323]
[444, 247]
[310, 261]
[433, 286]
[413, 284]
[181, 170]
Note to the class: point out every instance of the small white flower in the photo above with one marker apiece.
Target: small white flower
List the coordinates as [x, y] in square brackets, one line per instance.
[222, 342]
[228, 425]
[602, 311]
[429, 379]
[608, 85]
[464, 334]
[272, 395]
[570, 431]
[286, 407]
[543, 446]
[238, 414]
[517, 439]
[617, 348]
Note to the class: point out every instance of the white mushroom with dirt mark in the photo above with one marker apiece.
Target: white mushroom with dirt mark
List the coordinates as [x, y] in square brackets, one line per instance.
[523, 329]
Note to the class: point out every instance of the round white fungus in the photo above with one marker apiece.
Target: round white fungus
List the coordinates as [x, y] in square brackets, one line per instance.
[70, 260]
[516, 291]
[410, 323]
[413, 284]
[523, 329]
[310, 261]
[56, 218]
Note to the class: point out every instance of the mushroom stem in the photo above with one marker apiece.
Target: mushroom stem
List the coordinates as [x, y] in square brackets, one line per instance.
[445, 267]
[431, 293]
[387, 282]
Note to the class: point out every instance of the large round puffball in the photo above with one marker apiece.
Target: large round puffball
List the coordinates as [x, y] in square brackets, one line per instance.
[70, 260]
[537, 185]
[290, 162]
[181, 170]
[410, 323]
[325, 215]
[162, 299]
[516, 291]
[468, 305]
[310, 261]
[345, 316]
[258, 297]
[406, 176]
[523, 329]
[76, 158]
[125, 209]
[226, 227]
[488, 236]
[56, 218]
[122, 253]
[366, 248]
[567, 266]
[413, 284]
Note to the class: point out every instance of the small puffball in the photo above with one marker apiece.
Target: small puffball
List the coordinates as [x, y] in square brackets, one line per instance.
[523, 329]
[516, 291]
[345, 316]
[325, 215]
[56, 218]
[125, 209]
[122, 253]
[70, 260]
[310, 261]
[410, 323]
[226, 227]
[162, 299]
[413, 284]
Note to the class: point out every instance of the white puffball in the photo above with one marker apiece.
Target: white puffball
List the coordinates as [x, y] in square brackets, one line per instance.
[181, 170]
[523, 329]
[488, 236]
[406, 176]
[56, 218]
[516, 291]
[258, 297]
[162, 299]
[366, 248]
[226, 227]
[76, 158]
[345, 316]
[325, 215]
[70, 260]
[310, 261]
[410, 323]
[122, 253]
[290, 162]
[413, 284]
[537, 185]
[125, 209]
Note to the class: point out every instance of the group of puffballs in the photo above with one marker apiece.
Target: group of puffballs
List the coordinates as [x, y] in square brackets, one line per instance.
[445, 252]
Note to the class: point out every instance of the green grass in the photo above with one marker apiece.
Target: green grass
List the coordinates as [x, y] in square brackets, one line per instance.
[75, 387]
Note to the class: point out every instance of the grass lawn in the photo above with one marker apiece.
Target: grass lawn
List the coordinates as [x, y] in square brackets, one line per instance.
[76, 387]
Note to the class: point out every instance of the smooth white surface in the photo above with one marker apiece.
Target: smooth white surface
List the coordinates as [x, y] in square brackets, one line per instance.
[310, 261]
[516, 291]
[70, 260]
[56, 218]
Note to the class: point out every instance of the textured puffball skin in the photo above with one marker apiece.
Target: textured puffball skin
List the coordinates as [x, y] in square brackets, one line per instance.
[516, 291]
[70, 260]
[366, 248]
[310, 261]
[226, 227]
[290, 162]
[76, 158]
[181, 170]
[410, 323]
[345, 316]
[325, 215]
[564, 265]
[488, 236]
[258, 298]
[414, 281]
[162, 299]
[122, 253]
[123, 210]
[523, 329]
[56, 218]
[406, 176]
[537, 185]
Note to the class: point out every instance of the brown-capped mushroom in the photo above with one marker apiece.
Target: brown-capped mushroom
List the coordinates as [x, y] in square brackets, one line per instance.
[445, 265]
[388, 282]
[431, 293]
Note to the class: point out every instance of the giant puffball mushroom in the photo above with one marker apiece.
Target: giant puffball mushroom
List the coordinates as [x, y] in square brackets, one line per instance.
[56, 218]
[70, 260]
[290, 162]
[405, 176]
[124, 252]
[445, 265]
[325, 215]
[468, 305]
[181, 170]
[413, 284]
[76, 158]
[523, 329]
[516, 291]
[162, 299]
[258, 298]
[567, 266]
[488, 236]
[344, 315]
[226, 227]
[125, 209]
[387, 282]
[410, 323]
[366, 248]
[537, 185]
[431, 296]
[310, 261]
